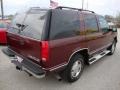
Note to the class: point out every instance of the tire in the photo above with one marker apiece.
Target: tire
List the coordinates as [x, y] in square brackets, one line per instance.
[74, 69]
[112, 48]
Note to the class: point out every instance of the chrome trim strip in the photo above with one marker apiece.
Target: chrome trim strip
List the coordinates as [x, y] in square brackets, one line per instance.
[76, 52]
[58, 66]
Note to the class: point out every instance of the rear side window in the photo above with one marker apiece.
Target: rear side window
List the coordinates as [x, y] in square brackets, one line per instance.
[90, 23]
[64, 23]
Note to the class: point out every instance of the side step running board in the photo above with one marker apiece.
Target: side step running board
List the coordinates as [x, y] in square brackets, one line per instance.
[97, 57]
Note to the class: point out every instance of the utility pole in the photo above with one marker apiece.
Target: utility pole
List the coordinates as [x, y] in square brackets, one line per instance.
[82, 4]
[87, 4]
[2, 11]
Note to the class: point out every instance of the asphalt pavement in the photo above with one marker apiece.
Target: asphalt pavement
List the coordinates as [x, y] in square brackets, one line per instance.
[102, 75]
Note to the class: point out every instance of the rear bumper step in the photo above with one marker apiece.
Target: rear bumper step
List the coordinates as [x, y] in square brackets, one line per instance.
[29, 67]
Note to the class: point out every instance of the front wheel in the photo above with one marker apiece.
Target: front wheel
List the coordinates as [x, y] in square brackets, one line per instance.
[74, 68]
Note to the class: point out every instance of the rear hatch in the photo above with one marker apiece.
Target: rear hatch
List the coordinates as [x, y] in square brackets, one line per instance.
[25, 34]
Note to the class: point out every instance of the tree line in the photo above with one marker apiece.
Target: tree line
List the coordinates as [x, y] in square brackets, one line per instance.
[115, 20]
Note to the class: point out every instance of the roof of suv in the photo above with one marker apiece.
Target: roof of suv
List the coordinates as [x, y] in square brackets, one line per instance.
[61, 8]
[70, 8]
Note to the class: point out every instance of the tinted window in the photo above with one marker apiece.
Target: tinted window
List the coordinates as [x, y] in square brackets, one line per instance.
[103, 24]
[90, 23]
[34, 24]
[65, 23]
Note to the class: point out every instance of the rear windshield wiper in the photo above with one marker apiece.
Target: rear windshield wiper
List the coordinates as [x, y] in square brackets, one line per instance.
[21, 26]
[18, 25]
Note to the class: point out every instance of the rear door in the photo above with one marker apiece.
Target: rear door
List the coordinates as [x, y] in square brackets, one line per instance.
[25, 40]
[94, 37]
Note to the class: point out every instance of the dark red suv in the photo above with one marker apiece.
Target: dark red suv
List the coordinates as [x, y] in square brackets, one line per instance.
[60, 40]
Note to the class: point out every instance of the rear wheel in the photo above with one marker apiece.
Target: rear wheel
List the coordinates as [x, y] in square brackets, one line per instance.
[112, 48]
[74, 69]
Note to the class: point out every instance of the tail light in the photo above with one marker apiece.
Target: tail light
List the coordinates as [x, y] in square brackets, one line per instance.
[45, 51]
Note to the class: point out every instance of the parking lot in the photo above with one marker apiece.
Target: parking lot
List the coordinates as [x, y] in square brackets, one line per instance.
[102, 75]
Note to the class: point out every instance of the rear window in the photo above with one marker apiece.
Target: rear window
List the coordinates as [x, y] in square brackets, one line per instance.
[65, 23]
[33, 22]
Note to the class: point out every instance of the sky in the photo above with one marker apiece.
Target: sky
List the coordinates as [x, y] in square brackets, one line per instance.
[103, 7]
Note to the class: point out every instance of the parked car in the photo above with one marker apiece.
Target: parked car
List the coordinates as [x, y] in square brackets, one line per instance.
[3, 28]
[61, 40]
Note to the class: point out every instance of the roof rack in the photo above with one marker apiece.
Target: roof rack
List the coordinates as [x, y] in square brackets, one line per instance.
[61, 7]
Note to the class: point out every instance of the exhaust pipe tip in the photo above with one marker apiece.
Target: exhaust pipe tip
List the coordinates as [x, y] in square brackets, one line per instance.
[18, 68]
[58, 77]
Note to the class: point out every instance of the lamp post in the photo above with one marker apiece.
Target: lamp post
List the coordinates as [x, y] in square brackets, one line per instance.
[2, 11]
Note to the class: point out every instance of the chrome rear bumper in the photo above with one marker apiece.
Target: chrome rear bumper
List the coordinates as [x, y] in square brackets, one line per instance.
[30, 67]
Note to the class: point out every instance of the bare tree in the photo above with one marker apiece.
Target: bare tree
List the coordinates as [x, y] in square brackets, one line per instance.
[109, 18]
[118, 19]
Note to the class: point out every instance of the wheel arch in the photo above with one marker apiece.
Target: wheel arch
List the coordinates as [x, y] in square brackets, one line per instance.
[84, 52]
